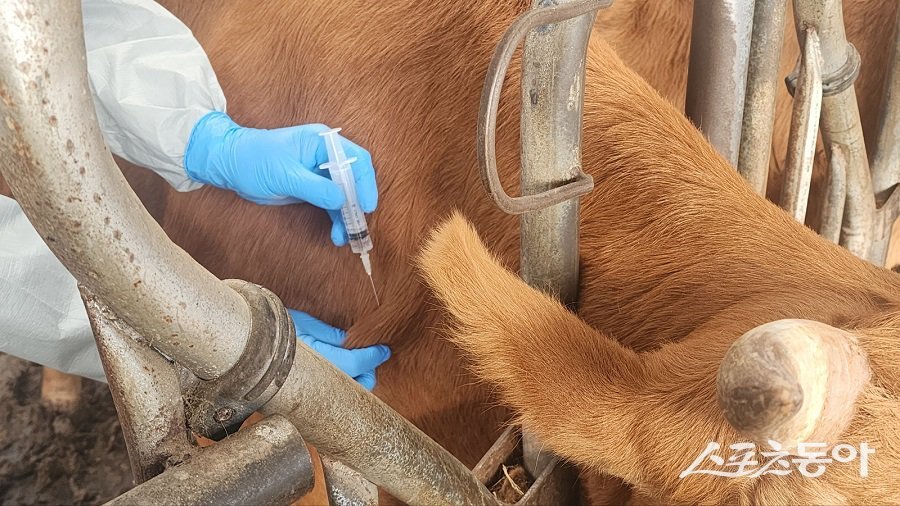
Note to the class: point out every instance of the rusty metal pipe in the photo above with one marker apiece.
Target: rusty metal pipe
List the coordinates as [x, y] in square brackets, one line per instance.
[886, 162]
[717, 76]
[348, 424]
[346, 487]
[53, 157]
[552, 99]
[146, 392]
[267, 463]
[762, 85]
[840, 123]
[835, 196]
[804, 130]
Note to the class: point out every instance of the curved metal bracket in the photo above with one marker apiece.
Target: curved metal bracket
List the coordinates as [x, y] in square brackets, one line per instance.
[217, 407]
[490, 101]
[836, 82]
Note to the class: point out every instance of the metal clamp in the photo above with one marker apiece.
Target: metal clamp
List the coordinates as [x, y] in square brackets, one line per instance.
[217, 408]
[490, 102]
[835, 83]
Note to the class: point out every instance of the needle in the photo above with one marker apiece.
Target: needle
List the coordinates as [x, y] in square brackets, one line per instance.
[375, 292]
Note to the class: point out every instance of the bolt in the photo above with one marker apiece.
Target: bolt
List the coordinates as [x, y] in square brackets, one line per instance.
[223, 414]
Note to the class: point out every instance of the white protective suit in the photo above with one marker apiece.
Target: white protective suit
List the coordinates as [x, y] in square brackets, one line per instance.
[151, 82]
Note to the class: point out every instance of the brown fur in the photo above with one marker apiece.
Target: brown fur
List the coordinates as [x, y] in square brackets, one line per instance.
[645, 416]
[410, 74]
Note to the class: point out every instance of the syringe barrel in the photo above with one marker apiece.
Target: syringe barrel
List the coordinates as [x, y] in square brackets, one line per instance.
[354, 218]
[341, 173]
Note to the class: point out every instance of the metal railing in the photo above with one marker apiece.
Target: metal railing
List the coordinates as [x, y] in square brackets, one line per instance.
[859, 204]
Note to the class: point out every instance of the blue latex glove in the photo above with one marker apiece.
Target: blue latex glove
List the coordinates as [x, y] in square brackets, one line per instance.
[359, 363]
[276, 167]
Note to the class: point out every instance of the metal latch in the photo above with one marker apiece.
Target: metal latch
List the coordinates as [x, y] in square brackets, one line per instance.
[490, 101]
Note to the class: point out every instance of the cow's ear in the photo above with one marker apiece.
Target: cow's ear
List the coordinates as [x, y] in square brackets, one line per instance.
[792, 381]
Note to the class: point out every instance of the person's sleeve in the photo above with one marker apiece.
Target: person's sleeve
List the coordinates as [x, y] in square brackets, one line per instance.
[151, 82]
[42, 318]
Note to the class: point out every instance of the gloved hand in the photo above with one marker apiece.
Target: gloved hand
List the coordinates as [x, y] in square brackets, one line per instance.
[359, 363]
[276, 167]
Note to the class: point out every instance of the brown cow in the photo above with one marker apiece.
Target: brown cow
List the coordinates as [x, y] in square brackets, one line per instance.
[409, 77]
[404, 79]
[680, 269]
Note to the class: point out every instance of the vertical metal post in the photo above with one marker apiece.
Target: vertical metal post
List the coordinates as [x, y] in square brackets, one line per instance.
[886, 162]
[762, 84]
[552, 102]
[832, 213]
[717, 78]
[840, 123]
[804, 130]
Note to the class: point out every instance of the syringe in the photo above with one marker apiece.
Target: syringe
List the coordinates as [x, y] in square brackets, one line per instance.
[338, 166]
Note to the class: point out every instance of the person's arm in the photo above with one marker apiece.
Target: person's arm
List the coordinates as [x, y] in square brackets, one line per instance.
[155, 94]
[160, 106]
[42, 318]
[152, 82]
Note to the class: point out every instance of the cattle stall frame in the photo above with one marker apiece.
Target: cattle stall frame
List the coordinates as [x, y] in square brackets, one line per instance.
[860, 205]
[735, 110]
[67, 190]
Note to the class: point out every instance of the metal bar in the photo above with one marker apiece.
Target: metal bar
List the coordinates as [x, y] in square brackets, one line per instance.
[762, 85]
[552, 101]
[347, 423]
[53, 156]
[267, 463]
[499, 453]
[840, 123]
[54, 159]
[346, 487]
[551, 488]
[888, 214]
[804, 130]
[835, 196]
[551, 118]
[886, 162]
[146, 391]
[717, 77]
[884, 223]
[581, 183]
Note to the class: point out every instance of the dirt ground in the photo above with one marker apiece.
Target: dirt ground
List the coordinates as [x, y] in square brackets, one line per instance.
[49, 458]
